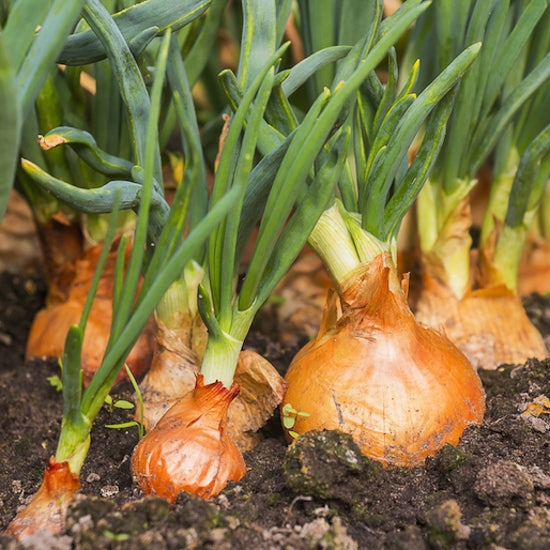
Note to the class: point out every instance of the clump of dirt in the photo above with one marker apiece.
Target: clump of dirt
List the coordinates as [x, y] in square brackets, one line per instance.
[491, 491]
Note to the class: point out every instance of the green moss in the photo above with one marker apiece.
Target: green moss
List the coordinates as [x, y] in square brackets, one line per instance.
[328, 464]
[451, 457]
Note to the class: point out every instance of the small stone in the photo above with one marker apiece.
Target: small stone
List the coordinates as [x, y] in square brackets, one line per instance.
[217, 535]
[85, 522]
[109, 491]
[321, 534]
[16, 486]
[504, 483]
[92, 477]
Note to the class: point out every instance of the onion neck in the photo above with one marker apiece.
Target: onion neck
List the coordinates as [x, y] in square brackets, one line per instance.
[181, 297]
[223, 348]
[499, 194]
[501, 265]
[220, 359]
[344, 247]
[332, 242]
[444, 220]
[73, 445]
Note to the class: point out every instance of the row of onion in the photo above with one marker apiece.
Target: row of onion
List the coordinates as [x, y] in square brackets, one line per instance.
[401, 389]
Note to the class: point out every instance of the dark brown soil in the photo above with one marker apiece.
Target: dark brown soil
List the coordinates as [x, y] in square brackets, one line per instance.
[490, 492]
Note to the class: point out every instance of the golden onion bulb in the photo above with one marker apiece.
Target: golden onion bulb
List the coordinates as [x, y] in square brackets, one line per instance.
[51, 324]
[489, 325]
[189, 449]
[401, 390]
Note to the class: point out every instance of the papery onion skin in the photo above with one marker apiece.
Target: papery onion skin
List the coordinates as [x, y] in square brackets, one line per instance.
[173, 374]
[401, 390]
[174, 368]
[48, 508]
[189, 449]
[51, 324]
[489, 325]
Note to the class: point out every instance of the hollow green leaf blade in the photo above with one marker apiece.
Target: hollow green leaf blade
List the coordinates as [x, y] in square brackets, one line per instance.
[10, 125]
[85, 47]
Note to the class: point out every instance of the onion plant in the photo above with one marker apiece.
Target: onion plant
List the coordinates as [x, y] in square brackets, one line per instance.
[285, 192]
[160, 266]
[496, 113]
[113, 114]
[293, 188]
[521, 171]
[331, 384]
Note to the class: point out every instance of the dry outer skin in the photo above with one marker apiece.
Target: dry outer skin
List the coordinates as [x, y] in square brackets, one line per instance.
[19, 245]
[173, 373]
[48, 508]
[190, 449]
[50, 325]
[401, 390]
[488, 325]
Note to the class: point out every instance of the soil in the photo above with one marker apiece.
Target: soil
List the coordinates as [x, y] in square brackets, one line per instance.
[492, 491]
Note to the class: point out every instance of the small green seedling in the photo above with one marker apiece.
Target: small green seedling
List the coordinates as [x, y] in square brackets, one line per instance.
[55, 380]
[123, 404]
[120, 537]
[289, 418]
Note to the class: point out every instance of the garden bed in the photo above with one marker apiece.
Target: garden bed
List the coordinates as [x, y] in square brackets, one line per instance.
[491, 491]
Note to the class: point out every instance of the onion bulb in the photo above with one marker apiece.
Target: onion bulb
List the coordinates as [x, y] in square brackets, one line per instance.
[489, 325]
[399, 389]
[51, 324]
[48, 508]
[174, 367]
[173, 374]
[189, 449]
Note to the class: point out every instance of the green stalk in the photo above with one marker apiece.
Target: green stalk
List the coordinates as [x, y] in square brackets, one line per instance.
[57, 24]
[332, 242]
[507, 255]
[542, 219]
[524, 197]
[491, 108]
[223, 349]
[74, 439]
[499, 195]
[181, 297]
[26, 58]
[129, 315]
[131, 84]
[10, 122]
[388, 185]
